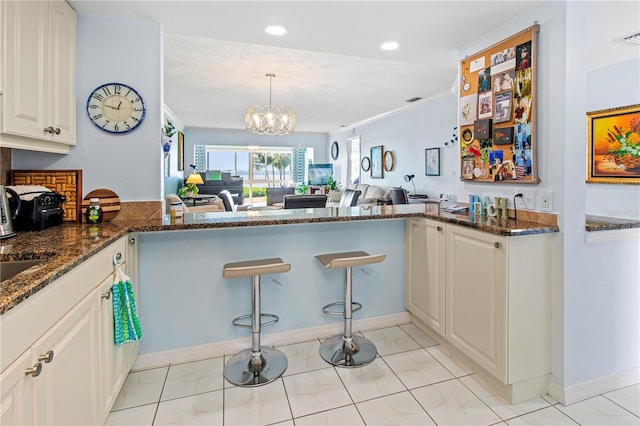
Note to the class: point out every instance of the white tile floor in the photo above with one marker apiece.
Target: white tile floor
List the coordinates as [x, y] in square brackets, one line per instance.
[412, 382]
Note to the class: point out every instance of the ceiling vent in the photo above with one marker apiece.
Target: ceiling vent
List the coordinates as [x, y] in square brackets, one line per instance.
[632, 38]
[415, 98]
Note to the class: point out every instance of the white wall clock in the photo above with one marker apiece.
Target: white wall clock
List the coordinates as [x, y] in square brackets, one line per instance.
[115, 108]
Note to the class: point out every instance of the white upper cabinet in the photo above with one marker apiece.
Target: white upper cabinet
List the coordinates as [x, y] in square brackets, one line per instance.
[38, 74]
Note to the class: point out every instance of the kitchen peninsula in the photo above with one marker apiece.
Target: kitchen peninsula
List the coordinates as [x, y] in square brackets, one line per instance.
[186, 307]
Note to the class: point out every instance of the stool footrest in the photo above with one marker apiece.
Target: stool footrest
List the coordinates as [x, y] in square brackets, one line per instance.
[236, 321]
[327, 308]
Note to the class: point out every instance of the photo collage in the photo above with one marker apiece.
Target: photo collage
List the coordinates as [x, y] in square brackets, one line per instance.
[496, 102]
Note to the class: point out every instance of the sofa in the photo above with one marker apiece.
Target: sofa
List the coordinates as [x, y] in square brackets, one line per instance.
[370, 193]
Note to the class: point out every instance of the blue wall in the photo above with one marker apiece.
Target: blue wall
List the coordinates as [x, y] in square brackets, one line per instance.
[189, 303]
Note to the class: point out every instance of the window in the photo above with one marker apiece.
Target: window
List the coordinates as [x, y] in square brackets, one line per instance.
[259, 167]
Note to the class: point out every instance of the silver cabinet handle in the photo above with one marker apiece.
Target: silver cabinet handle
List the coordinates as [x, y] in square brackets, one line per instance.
[34, 371]
[439, 228]
[47, 357]
[132, 241]
[497, 245]
[52, 131]
[106, 296]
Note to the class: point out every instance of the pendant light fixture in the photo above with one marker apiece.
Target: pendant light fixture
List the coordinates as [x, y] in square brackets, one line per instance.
[270, 119]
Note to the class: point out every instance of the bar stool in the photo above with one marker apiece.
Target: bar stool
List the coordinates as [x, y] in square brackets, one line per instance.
[347, 350]
[258, 365]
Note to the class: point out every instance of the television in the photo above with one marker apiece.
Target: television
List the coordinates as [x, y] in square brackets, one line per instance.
[319, 174]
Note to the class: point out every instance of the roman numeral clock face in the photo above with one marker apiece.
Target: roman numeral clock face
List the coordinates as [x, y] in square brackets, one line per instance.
[115, 108]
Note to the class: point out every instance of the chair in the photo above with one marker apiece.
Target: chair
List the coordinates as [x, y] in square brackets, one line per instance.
[258, 365]
[276, 195]
[304, 201]
[398, 196]
[227, 200]
[349, 198]
[347, 350]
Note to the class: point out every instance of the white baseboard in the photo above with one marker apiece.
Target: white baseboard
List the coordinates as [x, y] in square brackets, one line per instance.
[585, 390]
[212, 350]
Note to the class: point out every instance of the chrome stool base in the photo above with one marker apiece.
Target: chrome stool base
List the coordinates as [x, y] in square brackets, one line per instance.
[348, 352]
[245, 369]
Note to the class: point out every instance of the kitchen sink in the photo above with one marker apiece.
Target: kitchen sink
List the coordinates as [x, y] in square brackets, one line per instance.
[12, 268]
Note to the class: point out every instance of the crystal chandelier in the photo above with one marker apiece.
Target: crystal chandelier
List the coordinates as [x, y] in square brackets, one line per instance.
[270, 119]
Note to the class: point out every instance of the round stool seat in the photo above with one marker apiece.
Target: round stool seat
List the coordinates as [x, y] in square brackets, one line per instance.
[258, 365]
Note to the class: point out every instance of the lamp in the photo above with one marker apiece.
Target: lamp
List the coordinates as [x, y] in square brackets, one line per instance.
[270, 119]
[195, 179]
[409, 178]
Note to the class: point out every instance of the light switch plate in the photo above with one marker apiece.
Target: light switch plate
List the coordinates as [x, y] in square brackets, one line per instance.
[546, 201]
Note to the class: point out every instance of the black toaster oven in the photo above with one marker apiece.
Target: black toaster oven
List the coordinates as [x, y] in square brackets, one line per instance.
[39, 210]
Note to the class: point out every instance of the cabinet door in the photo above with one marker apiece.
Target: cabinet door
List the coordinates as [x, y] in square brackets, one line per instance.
[67, 390]
[61, 71]
[112, 362]
[425, 272]
[16, 393]
[476, 297]
[24, 97]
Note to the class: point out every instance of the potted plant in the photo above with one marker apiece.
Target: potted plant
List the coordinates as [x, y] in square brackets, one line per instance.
[188, 190]
[332, 187]
[168, 130]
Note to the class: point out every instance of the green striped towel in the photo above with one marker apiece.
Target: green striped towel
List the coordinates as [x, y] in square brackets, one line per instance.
[125, 316]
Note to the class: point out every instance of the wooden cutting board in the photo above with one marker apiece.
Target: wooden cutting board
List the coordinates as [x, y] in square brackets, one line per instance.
[109, 203]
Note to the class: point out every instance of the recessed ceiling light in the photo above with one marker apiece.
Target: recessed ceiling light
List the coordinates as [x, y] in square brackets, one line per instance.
[632, 38]
[389, 45]
[275, 30]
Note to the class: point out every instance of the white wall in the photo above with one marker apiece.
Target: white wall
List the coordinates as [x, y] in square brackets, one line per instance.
[114, 50]
[610, 87]
[407, 133]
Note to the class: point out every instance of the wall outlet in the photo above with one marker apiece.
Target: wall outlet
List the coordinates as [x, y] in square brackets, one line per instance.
[528, 200]
[546, 201]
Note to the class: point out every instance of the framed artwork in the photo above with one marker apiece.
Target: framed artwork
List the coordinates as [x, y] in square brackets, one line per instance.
[468, 109]
[432, 161]
[482, 129]
[613, 145]
[485, 105]
[180, 151]
[502, 111]
[503, 136]
[467, 167]
[376, 162]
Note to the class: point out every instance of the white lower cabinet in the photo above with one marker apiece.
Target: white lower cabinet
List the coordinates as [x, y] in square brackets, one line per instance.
[476, 297]
[72, 372]
[116, 361]
[494, 292]
[425, 242]
[66, 392]
[16, 393]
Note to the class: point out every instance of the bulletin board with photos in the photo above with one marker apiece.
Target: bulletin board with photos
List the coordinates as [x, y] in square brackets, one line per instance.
[497, 112]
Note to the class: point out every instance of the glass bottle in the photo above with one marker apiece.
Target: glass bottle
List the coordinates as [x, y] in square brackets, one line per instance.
[94, 212]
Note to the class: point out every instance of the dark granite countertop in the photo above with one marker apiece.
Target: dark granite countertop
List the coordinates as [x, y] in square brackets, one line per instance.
[64, 247]
[602, 223]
